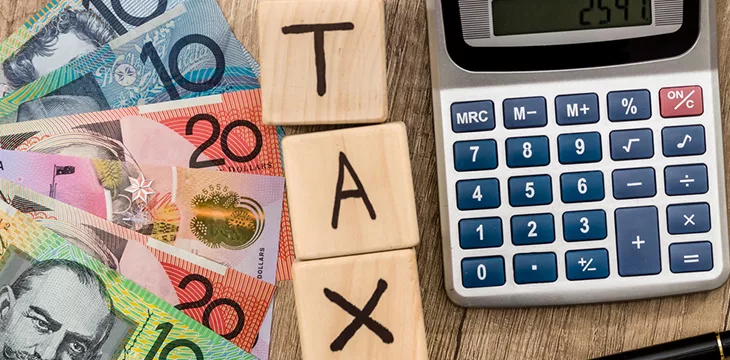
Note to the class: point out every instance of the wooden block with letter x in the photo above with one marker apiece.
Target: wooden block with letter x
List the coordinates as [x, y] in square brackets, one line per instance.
[350, 191]
[360, 307]
[322, 61]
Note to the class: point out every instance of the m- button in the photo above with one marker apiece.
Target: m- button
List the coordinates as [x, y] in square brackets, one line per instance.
[681, 101]
[472, 116]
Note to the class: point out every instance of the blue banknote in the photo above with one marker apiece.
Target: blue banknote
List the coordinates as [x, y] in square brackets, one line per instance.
[188, 51]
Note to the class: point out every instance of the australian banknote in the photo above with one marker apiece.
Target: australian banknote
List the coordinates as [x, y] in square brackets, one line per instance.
[222, 132]
[177, 206]
[227, 301]
[170, 57]
[66, 29]
[60, 303]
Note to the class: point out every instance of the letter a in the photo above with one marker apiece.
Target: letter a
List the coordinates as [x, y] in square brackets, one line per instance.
[340, 194]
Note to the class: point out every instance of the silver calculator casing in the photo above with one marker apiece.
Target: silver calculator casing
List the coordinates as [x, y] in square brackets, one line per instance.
[451, 84]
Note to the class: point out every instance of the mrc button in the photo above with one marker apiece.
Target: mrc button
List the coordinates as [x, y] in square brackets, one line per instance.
[472, 116]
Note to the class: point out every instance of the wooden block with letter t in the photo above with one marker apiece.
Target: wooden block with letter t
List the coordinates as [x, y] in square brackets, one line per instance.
[322, 61]
[360, 307]
[350, 191]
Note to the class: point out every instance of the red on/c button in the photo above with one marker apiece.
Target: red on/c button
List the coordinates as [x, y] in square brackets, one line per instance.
[681, 101]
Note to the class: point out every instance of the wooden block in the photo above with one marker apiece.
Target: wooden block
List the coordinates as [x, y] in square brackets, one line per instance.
[322, 61]
[350, 191]
[360, 307]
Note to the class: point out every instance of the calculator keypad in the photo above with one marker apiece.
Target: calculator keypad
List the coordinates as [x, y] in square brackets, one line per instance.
[533, 233]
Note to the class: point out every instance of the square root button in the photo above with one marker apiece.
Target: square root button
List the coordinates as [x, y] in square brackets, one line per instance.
[681, 101]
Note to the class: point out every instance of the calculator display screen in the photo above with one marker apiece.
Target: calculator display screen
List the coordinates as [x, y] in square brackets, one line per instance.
[513, 17]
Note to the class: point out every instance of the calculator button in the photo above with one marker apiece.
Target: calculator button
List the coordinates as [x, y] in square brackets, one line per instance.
[475, 155]
[690, 257]
[634, 183]
[579, 148]
[629, 105]
[683, 140]
[632, 144]
[530, 190]
[686, 180]
[472, 116]
[526, 152]
[482, 272]
[480, 233]
[535, 268]
[525, 113]
[681, 101]
[581, 187]
[637, 241]
[533, 229]
[586, 264]
[584, 225]
[688, 219]
[477, 194]
[576, 109]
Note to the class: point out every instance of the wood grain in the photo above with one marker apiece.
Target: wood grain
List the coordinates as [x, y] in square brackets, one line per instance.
[576, 332]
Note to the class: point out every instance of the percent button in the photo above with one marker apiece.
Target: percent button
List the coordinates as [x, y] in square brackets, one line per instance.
[629, 105]
[681, 101]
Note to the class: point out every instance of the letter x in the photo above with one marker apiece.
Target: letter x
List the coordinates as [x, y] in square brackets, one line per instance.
[362, 317]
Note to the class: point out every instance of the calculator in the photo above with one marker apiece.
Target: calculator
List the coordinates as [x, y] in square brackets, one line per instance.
[579, 149]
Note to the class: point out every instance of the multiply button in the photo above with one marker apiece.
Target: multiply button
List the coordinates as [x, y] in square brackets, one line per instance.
[629, 105]
[637, 241]
[535, 268]
[690, 257]
[686, 180]
[634, 183]
[472, 116]
[482, 272]
[688, 219]
[683, 140]
[577, 109]
[681, 101]
[587, 264]
[525, 113]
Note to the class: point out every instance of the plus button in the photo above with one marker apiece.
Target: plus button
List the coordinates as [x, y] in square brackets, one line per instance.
[638, 242]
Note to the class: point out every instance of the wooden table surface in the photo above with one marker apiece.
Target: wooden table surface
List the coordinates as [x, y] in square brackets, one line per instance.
[575, 332]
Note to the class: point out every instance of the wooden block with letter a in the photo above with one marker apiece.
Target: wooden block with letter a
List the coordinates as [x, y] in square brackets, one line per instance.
[322, 61]
[360, 307]
[350, 191]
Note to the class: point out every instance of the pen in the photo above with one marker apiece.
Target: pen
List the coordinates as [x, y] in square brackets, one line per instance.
[714, 346]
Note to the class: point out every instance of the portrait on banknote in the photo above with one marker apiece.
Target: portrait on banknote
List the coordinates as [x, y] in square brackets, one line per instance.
[71, 34]
[55, 310]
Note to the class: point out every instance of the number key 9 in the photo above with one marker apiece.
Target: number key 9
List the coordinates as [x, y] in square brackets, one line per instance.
[579, 148]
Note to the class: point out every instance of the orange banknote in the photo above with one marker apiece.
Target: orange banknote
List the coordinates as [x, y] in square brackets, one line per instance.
[227, 301]
[223, 132]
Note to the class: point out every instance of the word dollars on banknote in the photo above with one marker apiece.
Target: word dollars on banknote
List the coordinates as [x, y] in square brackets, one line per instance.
[168, 58]
[227, 301]
[66, 29]
[57, 302]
